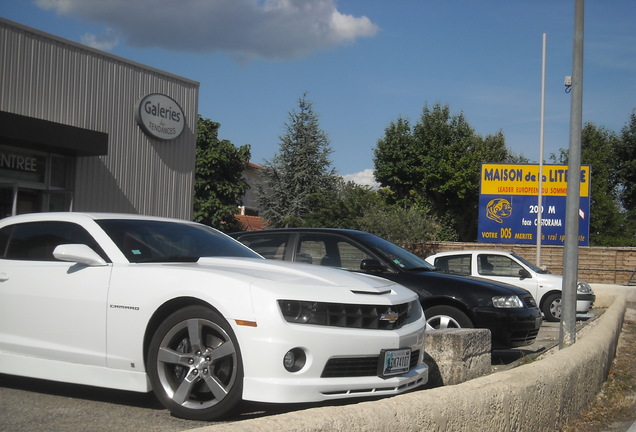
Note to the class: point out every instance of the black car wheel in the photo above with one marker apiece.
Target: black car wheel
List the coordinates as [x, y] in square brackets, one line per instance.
[443, 317]
[552, 308]
[194, 364]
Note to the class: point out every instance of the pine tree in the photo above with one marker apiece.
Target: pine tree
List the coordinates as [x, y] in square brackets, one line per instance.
[301, 169]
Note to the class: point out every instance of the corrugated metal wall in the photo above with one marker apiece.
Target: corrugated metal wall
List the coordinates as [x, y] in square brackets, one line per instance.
[46, 77]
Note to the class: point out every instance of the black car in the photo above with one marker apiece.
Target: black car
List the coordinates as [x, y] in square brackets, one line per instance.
[510, 313]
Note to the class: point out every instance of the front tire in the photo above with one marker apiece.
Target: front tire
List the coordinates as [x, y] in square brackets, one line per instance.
[552, 308]
[445, 317]
[194, 364]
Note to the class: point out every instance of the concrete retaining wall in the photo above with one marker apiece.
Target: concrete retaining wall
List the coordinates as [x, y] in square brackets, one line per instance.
[540, 396]
[455, 356]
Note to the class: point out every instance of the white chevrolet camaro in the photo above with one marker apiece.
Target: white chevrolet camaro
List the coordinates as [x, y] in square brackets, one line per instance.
[152, 304]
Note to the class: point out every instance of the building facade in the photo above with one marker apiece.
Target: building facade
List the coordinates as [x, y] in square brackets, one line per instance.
[83, 130]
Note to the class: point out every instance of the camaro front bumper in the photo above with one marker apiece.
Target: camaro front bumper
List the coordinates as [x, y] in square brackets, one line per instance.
[267, 380]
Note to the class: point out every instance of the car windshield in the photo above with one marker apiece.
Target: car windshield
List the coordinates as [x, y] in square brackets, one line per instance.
[529, 264]
[165, 241]
[402, 258]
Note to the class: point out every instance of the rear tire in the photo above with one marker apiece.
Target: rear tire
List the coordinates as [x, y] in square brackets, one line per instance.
[552, 307]
[443, 317]
[194, 364]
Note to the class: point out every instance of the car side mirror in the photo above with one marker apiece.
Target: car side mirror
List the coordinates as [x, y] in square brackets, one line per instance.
[78, 253]
[524, 274]
[371, 265]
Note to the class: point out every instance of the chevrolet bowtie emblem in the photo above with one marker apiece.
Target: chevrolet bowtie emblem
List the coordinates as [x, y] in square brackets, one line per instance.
[389, 316]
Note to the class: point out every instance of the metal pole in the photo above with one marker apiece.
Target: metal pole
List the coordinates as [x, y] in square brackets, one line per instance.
[540, 192]
[571, 250]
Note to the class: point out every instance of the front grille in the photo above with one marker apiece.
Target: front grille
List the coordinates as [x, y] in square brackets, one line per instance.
[524, 337]
[374, 317]
[366, 317]
[348, 367]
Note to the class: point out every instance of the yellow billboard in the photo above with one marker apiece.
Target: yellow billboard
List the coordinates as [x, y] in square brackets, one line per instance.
[523, 179]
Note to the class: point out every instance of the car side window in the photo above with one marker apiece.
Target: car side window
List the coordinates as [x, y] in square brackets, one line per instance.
[35, 241]
[497, 265]
[330, 250]
[457, 264]
[270, 246]
[313, 251]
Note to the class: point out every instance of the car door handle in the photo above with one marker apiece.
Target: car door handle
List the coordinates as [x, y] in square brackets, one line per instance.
[4, 277]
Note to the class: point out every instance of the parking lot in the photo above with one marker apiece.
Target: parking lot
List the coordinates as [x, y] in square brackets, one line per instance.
[30, 405]
[547, 339]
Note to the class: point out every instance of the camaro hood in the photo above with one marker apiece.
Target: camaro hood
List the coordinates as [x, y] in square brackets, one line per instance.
[300, 275]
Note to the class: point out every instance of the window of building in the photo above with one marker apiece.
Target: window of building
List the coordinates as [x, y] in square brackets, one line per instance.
[32, 181]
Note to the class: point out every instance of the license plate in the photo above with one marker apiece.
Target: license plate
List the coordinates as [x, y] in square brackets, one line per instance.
[394, 362]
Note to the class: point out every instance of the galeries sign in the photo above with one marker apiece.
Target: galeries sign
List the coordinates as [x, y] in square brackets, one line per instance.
[160, 117]
[509, 209]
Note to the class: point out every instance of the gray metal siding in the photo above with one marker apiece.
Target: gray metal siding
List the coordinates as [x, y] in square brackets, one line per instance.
[46, 77]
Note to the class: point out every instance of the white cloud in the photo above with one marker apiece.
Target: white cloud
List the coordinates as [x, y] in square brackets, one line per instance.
[364, 178]
[104, 42]
[272, 29]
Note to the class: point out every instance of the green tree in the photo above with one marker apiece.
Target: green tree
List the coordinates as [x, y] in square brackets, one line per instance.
[403, 225]
[437, 163]
[341, 206]
[606, 219]
[353, 206]
[299, 170]
[218, 183]
[598, 150]
[626, 155]
[395, 160]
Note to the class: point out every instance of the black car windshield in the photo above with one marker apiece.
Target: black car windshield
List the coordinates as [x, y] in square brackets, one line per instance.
[165, 241]
[402, 258]
[529, 264]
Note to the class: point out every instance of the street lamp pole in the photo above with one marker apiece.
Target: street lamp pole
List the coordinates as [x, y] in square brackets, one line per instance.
[567, 334]
[540, 193]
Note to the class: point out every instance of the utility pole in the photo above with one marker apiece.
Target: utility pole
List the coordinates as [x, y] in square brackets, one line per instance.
[567, 334]
[540, 193]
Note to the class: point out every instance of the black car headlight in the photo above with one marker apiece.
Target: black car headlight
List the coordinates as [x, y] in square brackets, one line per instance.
[507, 302]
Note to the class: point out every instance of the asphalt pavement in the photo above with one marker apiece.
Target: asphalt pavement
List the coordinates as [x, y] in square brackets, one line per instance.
[547, 339]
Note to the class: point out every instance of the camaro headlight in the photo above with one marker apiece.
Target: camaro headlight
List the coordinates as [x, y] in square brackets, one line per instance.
[302, 312]
[507, 302]
[583, 288]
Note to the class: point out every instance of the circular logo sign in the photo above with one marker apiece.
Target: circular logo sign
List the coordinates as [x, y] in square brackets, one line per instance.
[160, 117]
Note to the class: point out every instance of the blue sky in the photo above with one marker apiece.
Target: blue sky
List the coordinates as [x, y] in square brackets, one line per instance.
[364, 63]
